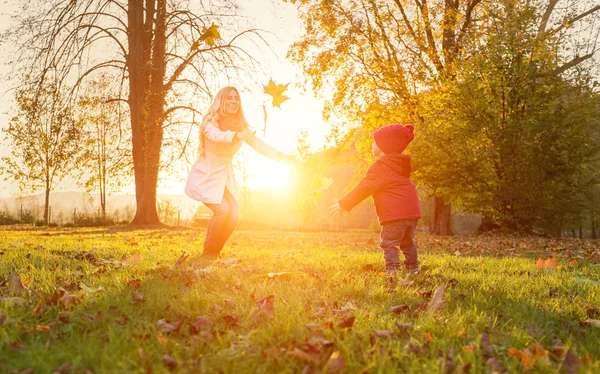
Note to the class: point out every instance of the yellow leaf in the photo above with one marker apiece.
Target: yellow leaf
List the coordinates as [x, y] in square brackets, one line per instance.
[210, 35]
[276, 91]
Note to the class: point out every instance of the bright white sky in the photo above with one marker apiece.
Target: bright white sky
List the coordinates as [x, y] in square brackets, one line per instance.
[301, 112]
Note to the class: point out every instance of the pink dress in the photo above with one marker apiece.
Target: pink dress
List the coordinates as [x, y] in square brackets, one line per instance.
[213, 170]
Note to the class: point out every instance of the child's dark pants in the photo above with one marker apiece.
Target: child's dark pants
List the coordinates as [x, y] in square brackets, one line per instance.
[399, 234]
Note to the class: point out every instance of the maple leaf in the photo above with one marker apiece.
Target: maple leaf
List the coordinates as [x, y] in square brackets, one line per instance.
[438, 300]
[210, 35]
[276, 91]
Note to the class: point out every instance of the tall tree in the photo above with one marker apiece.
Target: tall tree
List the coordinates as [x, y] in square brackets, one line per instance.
[376, 56]
[511, 137]
[157, 48]
[377, 59]
[107, 152]
[44, 136]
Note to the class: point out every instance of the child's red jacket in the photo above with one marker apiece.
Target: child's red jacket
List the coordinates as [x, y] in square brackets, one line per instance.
[388, 180]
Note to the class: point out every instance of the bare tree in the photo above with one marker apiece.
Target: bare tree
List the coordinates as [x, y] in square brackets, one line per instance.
[107, 154]
[155, 48]
[44, 136]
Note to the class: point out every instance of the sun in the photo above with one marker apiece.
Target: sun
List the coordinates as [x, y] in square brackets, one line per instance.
[264, 173]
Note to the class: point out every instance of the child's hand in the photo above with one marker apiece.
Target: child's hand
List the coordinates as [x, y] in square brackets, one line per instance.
[335, 210]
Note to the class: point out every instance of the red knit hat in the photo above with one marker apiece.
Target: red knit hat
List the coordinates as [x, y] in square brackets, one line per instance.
[394, 138]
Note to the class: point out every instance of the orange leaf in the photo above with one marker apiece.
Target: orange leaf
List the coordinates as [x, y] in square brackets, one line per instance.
[468, 348]
[335, 363]
[428, 337]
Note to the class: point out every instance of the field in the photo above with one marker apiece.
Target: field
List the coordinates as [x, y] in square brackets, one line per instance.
[109, 301]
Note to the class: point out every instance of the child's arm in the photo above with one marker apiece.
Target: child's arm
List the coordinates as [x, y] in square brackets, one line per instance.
[367, 186]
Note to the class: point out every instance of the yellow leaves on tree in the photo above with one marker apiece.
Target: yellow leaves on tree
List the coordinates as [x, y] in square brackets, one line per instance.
[276, 91]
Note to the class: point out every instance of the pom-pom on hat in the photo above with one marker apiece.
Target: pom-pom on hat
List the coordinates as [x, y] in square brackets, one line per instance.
[394, 138]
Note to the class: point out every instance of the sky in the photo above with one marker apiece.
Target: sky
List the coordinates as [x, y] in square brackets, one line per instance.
[302, 112]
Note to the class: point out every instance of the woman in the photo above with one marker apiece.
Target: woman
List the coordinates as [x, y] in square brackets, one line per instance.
[211, 180]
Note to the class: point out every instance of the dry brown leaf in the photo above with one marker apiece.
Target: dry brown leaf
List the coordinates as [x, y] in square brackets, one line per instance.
[335, 363]
[134, 283]
[137, 297]
[16, 286]
[384, 333]
[304, 356]
[265, 307]
[68, 299]
[438, 300]
[2, 317]
[347, 322]
[167, 327]
[397, 309]
[592, 322]
[169, 362]
[570, 364]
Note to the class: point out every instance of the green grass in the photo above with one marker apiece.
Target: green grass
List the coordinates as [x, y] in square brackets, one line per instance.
[493, 289]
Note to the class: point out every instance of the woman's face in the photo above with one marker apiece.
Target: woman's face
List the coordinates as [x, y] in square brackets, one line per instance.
[232, 102]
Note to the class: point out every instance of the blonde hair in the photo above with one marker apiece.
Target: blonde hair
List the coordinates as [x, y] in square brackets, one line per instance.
[217, 111]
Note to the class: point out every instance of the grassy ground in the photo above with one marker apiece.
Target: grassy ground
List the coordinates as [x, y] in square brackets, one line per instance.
[125, 302]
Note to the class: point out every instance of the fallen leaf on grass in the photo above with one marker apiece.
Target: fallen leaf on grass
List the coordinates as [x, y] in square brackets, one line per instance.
[347, 322]
[549, 263]
[137, 297]
[134, 283]
[592, 322]
[313, 358]
[384, 333]
[132, 260]
[282, 274]
[89, 289]
[68, 299]
[42, 328]
[335, 362]
[531, 355]
[166, 327]
[438, 300]
[469, 348]
[265, 307]
[169, 362]
[2, 317]
[399, 308]
[570, 364]
[16, 286]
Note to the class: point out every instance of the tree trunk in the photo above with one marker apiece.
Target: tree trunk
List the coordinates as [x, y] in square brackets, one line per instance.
[47, 204]
[442, 217]
[146, 103]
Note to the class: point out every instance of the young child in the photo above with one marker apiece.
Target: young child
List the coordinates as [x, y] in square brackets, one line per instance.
[395, 196]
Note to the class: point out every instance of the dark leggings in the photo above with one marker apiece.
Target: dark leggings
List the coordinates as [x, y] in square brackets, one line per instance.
[221, 225]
